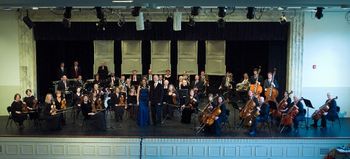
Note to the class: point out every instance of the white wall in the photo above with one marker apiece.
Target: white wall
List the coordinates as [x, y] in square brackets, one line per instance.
[327, 45]
[9, 59]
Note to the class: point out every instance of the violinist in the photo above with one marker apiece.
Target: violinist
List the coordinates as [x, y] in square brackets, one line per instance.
[331, 114]
[16, 111]
[118, 101]
[121, 81]
[86, 107]
[53, 120]
[31, 104]
[60, 103]
[172, 99]
[215, 129]
[189, 107]
[93, 113]
[96, 89]
[112, 80]
[264, 109]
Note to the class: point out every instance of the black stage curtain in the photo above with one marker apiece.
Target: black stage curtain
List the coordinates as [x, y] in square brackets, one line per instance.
[248, 45]
[50, 53]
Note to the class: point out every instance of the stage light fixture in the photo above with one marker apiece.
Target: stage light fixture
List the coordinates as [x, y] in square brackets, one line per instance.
[191, 22]
[222, 11]
[148, 24]
[195, 11]
[67, 15]
[221, 23]
[135, 11]
[28, 21]
[319, 13]
[250, 13]
[283, 19]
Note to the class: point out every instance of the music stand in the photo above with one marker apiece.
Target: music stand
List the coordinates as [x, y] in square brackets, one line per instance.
[308, 105]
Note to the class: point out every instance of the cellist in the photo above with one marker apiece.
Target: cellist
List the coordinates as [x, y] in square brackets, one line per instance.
[299, 116]
[264, 110]
[215, 129]
[330, 115]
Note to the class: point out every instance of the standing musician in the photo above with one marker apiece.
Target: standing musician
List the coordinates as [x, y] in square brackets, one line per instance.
[78, 95]
[160, 79]
[172, 100]
[215, 128]
[331, 114]
[255, 81]
[156, 97]
[132, 102]
[50, 114]
[32, 103]
[264, 109]
[103, 71]
[60, 103]
[255, 77]
[270, 83]
[118, 101]
[16, 111]
[189, 107]
[61, 70]
[135, 80]
[197, 85]
[243, 87]
[63, 85]
[168, 77]
[75, 70]
[149, 75]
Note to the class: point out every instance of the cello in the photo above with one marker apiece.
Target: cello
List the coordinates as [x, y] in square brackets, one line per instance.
[256, 87]
[324, 108]
[271, 93]
[277, 113]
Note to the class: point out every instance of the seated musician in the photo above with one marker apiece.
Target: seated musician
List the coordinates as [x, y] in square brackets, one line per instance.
[330, 115]
[32, 104]
[184, 84]
[93, 113]
[16, 111]
[79, 82]
[171, 99]
[50, 114]
[300, 115]
[121, 81]
[215, 129]
[268, 83]
[60, 103]
[190, 105]
[205, 79]
[96, 89]
[117, 100]
[264, 110]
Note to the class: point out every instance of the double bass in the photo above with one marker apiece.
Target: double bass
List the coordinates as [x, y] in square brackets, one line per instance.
[256, 88]
[271, 93]
[324, 108]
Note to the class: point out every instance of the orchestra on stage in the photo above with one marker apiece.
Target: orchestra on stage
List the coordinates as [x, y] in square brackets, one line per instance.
[154, 99]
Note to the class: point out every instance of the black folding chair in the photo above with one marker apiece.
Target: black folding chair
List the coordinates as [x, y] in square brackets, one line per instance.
[10, 118]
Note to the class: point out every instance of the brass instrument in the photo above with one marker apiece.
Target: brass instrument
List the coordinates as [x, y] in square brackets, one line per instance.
[243, 86]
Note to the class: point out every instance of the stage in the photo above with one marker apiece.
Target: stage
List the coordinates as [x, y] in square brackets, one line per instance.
[172, 139]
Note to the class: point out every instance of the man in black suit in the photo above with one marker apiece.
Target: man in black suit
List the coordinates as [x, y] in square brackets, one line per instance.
[156, 98]
[135, 80]
[103, 71]
[197, 85]
[76, 70]
[61, 71]
[63, 84]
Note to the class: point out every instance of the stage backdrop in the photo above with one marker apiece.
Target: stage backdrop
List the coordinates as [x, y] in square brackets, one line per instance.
[246, 45]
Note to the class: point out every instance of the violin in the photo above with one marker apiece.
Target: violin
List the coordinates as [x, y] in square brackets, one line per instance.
[64, 104]
[25, 108]
[53, 110]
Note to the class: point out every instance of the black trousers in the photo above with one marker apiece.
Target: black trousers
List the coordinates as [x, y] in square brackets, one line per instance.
[323, 121]
[156, 113]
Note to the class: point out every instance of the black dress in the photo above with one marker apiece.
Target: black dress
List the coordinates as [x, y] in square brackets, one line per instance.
[132, 108]
[30, 103]
[17, 106]
[53, 121]
[190, 106]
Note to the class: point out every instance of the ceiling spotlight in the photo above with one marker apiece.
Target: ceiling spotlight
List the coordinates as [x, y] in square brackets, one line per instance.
[135, 11]
[283, 19]
[28, 21]
[66, 17]
[195, 11]
[222, 11]
[221, 23]
[250, 13]
[319, 13]
[148, 24]
[191, 22]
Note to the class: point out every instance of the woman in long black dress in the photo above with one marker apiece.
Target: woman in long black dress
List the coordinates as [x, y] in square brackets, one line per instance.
[16, 111]
[172, 100]
[132, 101]
[60, 103]
[50, 114]
[189, 107]
[31, 104]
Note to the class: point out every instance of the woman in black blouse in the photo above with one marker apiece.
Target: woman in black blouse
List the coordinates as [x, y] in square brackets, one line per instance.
[16, 111]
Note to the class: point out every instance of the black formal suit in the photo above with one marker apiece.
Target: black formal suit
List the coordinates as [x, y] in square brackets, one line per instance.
[199, 85]
[62, 87]
[60, 72]
[156, 98]
[135, 81]
[74, 73]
